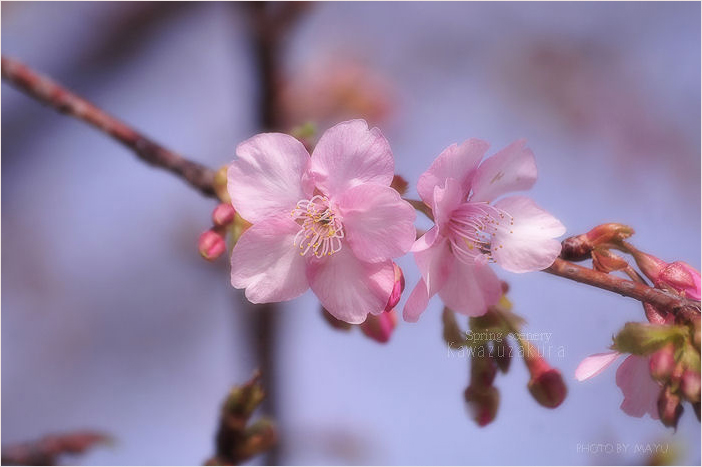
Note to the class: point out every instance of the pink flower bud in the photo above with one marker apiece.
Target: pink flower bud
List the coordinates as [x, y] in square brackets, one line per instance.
[211, 245]
[681, 277]
[397, 289]
[609, 233]
[669, 407]
[482, 403]
[380, 327]
[548, 388]
[546, 384]
[690, 385]
[662, 363]
[223, 214]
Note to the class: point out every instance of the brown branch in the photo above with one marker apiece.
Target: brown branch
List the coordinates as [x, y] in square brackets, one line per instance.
[51, 93]
[643, 293]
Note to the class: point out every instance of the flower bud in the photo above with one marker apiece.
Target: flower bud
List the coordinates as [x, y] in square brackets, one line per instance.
[211, 245]
[397, 289]
[606, 261]
[223, 214]
[548, 388]
[546, 384]
[259, 437]
[608, 234]
[690, 385]
[662, 363]
[482, 403]
[682, 278]
[669, 407]
[380, 327]
[576, 248]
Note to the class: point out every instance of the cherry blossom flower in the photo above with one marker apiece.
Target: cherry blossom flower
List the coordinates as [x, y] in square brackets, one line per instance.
[470, 230]
[329, 222]
[634, 379]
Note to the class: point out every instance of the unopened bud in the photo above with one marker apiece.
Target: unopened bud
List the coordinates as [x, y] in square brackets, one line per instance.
[649, 264]
[609, 233]
[482, 403]
[397, 289]
[211, 245]
[223, 214]
[682, 278]
[690, 385]
[606, 261]
[662, 363]
[259, 437]
[546, 384]
[380, 327]
[244, 399]
[669, 407]
[548, 388]
[578, 248]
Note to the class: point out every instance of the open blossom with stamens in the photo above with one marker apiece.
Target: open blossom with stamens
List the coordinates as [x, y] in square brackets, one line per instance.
[471, 231]
[329, 222]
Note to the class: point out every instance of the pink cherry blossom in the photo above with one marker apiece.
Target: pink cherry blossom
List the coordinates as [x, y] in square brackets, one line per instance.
[329, 222]
[470, 230]
[634, 379]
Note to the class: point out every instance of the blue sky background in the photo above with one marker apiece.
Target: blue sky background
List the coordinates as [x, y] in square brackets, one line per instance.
[111, 320]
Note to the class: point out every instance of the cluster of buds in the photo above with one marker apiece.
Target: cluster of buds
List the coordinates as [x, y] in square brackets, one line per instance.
[490, 352]
[377, 327]
[211, 243]
[238, 439]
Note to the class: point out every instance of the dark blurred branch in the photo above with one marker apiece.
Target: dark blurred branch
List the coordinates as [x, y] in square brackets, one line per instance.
[51, 93]
[641, 292]
[270, 22]
[47, 450]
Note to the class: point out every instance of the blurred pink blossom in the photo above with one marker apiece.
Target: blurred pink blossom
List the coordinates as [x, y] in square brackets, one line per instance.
[640, 390]
[469, 231]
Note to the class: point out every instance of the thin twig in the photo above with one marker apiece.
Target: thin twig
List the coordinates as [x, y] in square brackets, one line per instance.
[51, 93]
[643, 293]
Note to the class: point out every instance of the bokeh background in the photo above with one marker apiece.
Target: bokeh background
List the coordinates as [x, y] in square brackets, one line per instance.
[112, 321]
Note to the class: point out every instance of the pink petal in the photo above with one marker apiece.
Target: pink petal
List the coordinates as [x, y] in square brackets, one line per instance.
[266, 179]
[416, 303]
[528, 244]
[639, 389]
[378, 223]
[471, 289]
[511, 169]
[426, 240]
[447, 198]
[350, 289]
[435, 265]
[594, 365]
[267, 264]
[456, 161]
[349, 154]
